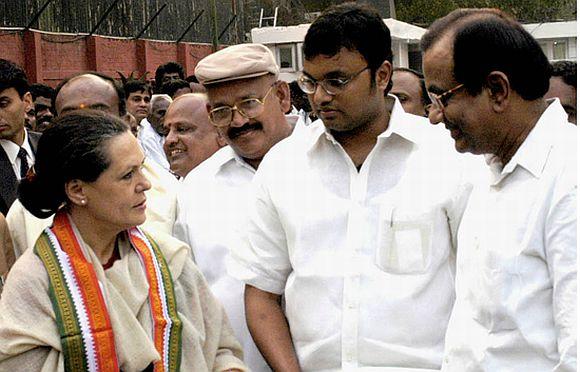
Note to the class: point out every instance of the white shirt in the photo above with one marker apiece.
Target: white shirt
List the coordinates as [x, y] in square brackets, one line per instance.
[364, 260]
[152, 144]
[11, 149]
[211, 213]
[516, 265]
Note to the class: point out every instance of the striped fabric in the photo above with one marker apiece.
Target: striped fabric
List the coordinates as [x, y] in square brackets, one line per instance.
[81, 313]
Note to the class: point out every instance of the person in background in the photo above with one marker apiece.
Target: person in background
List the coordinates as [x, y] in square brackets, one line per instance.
[175, 88]
[409, 88]
[516, 276]
[167, 72]
[17, 144]
[247, 102]
[144, 304]
[43, 110]
[191, 138]
[152, 133]
[563, 86]
[138, 101]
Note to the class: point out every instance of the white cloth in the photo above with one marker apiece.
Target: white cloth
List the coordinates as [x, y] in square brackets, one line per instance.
[211, 208]
[516, 264]
[364, 259]
[152, 143]
[11, 149]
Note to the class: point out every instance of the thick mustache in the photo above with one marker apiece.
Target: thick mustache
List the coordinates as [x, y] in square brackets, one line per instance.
[233, 132]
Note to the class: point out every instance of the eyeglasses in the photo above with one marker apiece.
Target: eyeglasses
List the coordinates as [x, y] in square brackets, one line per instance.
[330, 86]
[441, 100]
[249, 108]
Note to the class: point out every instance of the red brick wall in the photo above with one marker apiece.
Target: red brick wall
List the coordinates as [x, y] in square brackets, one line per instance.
[48, 58]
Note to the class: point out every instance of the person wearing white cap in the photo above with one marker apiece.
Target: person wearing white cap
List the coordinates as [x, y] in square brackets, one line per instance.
[247, 103]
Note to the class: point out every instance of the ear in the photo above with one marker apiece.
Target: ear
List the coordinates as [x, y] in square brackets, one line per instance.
[27, 99]
[498, 88]
[75, 192]
[283, 94]
[383, 75]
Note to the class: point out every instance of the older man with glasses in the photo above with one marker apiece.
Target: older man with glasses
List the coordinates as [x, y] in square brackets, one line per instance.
[246, 104]
[353, 221]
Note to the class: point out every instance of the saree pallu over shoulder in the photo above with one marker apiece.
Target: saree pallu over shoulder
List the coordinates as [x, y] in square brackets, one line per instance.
[81, 313]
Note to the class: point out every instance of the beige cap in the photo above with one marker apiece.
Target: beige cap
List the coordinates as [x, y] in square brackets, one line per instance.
[236, 62]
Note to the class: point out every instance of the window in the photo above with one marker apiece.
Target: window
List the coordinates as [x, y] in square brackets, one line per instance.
[560, 49]
[287, 57]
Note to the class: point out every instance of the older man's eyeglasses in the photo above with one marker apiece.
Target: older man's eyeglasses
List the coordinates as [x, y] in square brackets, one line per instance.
[249, 108]
[331, 86]
[440, 100]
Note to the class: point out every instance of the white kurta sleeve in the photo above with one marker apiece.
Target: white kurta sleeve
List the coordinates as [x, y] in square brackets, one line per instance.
[262, 258]
[561, 255]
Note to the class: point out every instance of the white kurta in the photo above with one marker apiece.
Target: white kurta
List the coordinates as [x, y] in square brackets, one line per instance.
[211, 213]
[365, 260]
[152, 144]
[516, 266]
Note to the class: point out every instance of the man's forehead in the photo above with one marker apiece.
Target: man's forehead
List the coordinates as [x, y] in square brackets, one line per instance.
[9, 91]
[237, 89]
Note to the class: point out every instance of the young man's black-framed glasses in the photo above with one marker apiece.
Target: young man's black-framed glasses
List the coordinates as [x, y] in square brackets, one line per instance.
[331, 86]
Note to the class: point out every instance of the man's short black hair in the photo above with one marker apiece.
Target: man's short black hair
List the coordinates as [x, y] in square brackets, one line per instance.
[424, 95]
[489, 40]
[167, 68]
[566, 70]
[41, 90]
[13, 76]
[136, 85]
[173, 86]
[118, 89]
[356, 27]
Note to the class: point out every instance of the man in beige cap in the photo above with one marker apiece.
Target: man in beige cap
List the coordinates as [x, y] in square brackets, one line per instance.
[246, 104]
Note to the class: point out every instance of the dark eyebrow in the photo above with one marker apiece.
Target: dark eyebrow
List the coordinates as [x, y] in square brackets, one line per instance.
[329, 75]
[435, 89]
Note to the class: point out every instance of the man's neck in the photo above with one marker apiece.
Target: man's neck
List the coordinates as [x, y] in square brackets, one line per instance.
[358, 143]
[527, 117]
[18, 138]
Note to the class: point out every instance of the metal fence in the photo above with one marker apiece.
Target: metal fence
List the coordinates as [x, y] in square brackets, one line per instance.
[128, 18]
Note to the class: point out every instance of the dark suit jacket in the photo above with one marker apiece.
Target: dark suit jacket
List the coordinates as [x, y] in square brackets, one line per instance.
[8, 181]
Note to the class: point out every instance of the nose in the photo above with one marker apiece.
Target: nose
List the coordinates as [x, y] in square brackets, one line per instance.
[171, 138]
[238, 120]
[144, 184]
[320, 96]
[435, 114]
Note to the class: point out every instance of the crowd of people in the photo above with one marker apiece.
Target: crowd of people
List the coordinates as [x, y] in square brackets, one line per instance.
[224, 222]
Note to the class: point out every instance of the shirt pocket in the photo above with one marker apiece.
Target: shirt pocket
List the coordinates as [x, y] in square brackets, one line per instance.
[404, 242]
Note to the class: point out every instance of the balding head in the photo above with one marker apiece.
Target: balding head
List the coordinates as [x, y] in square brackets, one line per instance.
[191, 138]
[88, 91]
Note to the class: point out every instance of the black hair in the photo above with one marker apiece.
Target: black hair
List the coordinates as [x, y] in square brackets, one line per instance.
[74, 147]
[298, 97]
[173, 86]
[12, 76]
[192, 79]
[489, 44]
[136, 85]
[167, 68]
[118, 89]
[41, 90]
[424, 95]
[566, 70]
[356, 27]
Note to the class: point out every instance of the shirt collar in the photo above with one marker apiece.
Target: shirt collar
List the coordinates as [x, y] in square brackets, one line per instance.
[533, 152]
[397, 125]
[11, 149]
[229, 156]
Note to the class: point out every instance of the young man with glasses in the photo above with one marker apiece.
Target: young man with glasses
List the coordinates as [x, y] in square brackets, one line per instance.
[516, 287]
[353, 221]
[246, 105]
